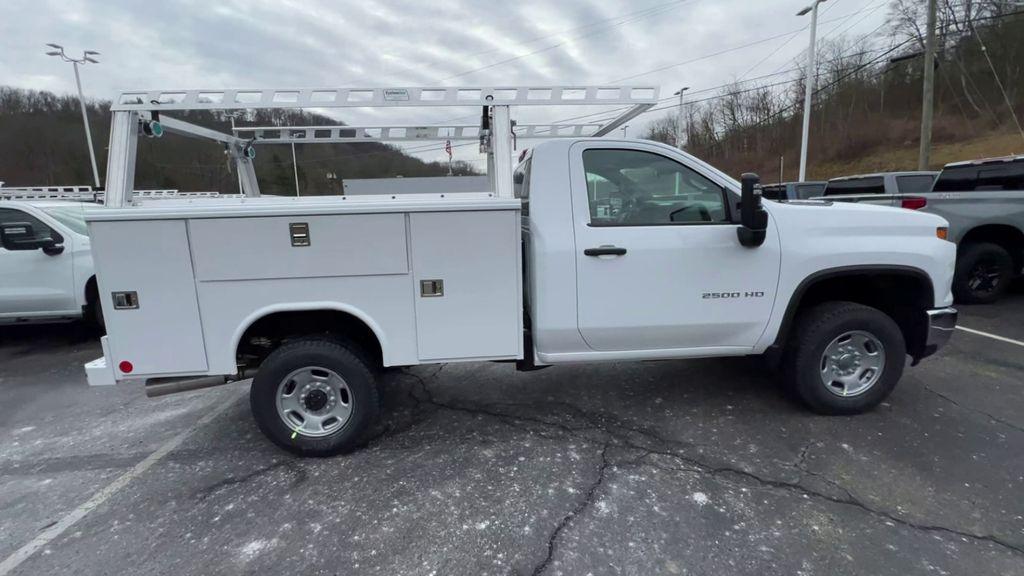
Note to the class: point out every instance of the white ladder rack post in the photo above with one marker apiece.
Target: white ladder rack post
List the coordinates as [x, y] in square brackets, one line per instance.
[501, 152]
[132, 107]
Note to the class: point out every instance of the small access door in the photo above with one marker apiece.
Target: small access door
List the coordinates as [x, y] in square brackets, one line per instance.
[658, 262]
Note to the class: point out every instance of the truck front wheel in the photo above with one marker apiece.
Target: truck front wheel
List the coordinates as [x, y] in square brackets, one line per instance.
[845, 358]
[315, 397]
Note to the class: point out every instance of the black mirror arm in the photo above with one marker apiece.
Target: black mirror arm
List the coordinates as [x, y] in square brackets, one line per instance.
[753, 218]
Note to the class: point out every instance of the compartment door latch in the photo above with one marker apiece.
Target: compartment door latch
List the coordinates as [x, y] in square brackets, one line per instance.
[431, 288]
[126, 300]
[299, 232]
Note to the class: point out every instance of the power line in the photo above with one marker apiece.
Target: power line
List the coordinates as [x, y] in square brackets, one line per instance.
[720, 52]
[1006, 98]
[604, 113]
[792, 35]
[828, 86]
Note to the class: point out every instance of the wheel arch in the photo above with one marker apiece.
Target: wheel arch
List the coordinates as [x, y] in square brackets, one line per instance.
[314, 317]
[864, 284]
[1005, 235]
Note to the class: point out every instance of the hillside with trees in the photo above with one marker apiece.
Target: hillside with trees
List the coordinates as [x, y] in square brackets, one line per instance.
[866, 107]
[42, 144]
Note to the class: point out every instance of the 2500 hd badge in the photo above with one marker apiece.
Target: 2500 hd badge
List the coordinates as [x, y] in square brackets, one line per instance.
[717, 295]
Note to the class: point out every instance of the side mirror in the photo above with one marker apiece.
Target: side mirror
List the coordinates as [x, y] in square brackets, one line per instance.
[22, 236]
[753, 218]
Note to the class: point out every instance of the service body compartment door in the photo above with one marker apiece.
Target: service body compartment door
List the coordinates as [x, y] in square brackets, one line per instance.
[657, 260]
[467, 286]
[157, 327]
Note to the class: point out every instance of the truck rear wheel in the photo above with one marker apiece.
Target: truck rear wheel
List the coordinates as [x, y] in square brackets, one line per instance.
[845, 358]
[315, 397]
[983, 272]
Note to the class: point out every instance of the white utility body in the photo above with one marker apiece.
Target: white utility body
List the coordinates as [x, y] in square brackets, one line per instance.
[592, 249]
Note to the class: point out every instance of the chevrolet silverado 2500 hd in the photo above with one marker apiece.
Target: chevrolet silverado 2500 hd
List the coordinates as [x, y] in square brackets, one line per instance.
[592, 249]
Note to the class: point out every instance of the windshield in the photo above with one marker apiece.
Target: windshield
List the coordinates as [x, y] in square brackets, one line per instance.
[70, 217]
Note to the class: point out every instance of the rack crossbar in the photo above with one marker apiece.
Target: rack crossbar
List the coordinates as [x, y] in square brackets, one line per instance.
[342, 133]
[250, 99]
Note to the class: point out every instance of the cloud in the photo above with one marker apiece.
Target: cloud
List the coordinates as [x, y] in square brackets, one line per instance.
[281, 43]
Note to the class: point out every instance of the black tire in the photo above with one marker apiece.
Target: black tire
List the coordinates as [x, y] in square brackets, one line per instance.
[94, 308]
[346, 361]
[816, 328]
[983, 273]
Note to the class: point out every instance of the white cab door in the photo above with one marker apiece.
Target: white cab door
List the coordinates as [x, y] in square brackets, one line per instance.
[33, 283]
[658, 263]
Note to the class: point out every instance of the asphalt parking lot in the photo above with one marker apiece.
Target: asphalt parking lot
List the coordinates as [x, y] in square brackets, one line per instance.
[695, 467]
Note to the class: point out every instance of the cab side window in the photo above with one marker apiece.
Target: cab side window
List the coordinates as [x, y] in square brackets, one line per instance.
[637, 188]
[915, 183]
[11, 215]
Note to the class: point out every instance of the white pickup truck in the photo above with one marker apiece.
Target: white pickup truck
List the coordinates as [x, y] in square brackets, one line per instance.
[593, 249]
[46, 268]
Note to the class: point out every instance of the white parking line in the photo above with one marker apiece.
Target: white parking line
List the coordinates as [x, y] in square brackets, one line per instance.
[48, 535]
[972, 331]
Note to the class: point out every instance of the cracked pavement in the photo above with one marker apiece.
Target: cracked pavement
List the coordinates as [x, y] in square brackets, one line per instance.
[674, 467]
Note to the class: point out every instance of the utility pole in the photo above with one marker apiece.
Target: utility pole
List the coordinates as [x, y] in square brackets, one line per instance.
[679, 118]
[808, 85]
[87, 56]
[928, 91]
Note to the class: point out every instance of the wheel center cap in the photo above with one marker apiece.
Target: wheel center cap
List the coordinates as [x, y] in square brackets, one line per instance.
[847, 362]
[315, 400]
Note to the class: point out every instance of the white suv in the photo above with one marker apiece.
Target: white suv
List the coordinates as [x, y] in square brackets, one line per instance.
[46, 266]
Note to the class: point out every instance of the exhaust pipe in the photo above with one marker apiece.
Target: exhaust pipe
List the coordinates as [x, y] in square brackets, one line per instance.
[156, 387]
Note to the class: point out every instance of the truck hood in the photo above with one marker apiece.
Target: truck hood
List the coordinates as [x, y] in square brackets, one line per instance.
[822, 215]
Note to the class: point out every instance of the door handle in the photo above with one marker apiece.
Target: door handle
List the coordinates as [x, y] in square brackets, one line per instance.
[605, 251]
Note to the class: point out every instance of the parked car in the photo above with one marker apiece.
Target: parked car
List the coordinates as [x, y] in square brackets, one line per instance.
[881, 183]
[46, 272]
[983, 201]
[793, 190]
[593, 249]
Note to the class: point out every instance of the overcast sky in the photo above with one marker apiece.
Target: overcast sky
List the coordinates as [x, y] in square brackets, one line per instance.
[169, 44]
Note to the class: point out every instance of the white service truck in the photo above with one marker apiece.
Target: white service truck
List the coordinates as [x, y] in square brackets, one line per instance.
[592, 249]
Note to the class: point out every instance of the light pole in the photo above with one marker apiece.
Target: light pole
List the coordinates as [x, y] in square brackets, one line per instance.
[624, 130]
[87, 56]
[809, 86]
[679, 118]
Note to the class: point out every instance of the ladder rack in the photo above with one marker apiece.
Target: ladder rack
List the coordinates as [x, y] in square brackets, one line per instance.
[496, 133]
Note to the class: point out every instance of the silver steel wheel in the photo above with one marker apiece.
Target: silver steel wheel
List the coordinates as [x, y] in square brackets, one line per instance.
[314, 401]
[852, 363]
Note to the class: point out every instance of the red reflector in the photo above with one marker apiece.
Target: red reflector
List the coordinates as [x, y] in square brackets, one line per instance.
[914, 202]
[126, 367]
